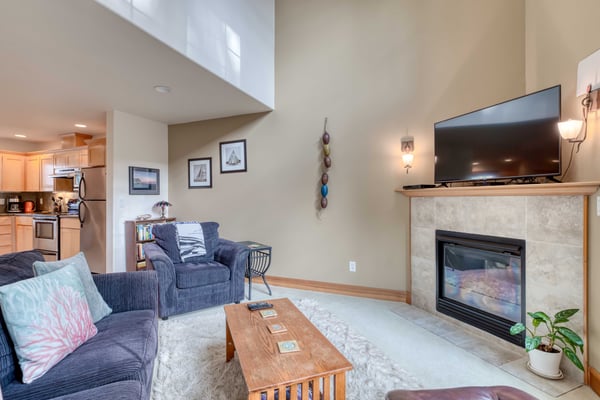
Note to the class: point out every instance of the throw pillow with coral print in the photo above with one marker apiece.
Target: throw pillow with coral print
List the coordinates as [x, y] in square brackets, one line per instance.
[47, 317]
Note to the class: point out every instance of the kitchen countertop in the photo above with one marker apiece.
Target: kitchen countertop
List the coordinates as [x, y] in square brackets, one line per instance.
[43, 213]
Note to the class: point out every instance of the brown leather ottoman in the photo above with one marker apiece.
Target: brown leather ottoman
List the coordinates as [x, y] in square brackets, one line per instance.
[461, 393]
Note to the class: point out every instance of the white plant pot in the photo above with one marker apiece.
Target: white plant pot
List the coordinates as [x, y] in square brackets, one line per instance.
[546, 364]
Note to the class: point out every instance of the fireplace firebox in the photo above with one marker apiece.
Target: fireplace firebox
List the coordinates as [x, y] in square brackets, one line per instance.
[481, 281]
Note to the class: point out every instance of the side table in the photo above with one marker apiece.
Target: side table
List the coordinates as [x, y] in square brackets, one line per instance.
[259, 261]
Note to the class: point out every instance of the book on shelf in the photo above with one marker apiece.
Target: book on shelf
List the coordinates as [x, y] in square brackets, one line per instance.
[140, 251]
[144, 232]
[269, 313]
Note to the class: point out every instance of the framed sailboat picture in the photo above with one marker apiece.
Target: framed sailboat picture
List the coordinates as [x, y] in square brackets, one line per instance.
[200, 173]
[233, 156]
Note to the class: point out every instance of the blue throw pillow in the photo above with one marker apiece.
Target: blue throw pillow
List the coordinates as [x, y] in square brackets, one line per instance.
[166, 237]
[98, 306]
[47, 318]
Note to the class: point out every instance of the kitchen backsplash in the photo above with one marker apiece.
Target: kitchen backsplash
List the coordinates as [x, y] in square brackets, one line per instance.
[43, 200]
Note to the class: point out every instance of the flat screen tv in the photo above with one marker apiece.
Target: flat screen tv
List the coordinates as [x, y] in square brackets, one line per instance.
[516, 139]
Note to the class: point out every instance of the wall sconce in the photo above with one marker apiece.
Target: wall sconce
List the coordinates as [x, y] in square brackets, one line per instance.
[571, 129]
[408, 147]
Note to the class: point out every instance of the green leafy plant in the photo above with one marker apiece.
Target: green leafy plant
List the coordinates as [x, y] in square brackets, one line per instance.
[557, 334]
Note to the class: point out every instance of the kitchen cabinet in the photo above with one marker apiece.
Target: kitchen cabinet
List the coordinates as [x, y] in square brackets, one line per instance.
[38, 169]
[32, 173]
[69, 237]
[46, 170]
[6, 235]
[67, 159]
[13, 172]
[96, 152]
[23, 233]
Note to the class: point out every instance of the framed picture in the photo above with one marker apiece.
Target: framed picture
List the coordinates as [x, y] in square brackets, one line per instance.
[144, 180]
[200, 173]
[233, 156]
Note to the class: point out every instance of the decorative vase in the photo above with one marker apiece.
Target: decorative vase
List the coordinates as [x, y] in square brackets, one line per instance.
[546, 364]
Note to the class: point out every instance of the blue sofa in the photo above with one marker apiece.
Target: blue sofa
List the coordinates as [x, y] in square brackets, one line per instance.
[117, 363]
[214, 279]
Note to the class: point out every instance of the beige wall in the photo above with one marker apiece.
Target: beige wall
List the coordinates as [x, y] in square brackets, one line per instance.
[375, 69]
[559, 34]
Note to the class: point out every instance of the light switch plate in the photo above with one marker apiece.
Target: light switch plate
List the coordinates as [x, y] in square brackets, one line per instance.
[598, 206]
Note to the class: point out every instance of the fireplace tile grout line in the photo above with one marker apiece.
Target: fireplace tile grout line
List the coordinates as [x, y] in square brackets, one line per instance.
[509, 361]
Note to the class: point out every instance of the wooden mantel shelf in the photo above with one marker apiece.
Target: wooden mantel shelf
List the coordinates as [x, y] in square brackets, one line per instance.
[541, 189]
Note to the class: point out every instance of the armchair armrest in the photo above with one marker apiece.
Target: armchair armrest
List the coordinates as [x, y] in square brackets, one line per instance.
[235, 256]
[157, 260]
[128, 291]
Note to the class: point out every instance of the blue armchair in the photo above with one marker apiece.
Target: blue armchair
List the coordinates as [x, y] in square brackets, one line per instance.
[207, 280]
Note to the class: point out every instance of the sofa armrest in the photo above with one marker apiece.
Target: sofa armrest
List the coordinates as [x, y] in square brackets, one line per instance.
[234, 255]
[157, 260]
[128, 291]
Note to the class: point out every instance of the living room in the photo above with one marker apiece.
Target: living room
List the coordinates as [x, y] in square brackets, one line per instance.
[377, 72]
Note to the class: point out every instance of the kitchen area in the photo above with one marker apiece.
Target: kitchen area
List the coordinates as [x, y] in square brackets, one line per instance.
[54, 201]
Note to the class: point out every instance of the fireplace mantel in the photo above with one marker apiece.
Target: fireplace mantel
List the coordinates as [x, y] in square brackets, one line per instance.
[541, 189]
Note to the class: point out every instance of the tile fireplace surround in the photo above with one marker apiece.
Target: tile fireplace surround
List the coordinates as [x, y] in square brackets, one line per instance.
[552, 223]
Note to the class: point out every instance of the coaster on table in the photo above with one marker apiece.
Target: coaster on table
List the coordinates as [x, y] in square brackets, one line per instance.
[288, 346]
[270, 313]
[277, 328]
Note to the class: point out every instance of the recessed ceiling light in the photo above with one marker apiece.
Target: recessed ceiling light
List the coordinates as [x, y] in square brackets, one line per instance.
[20, 135]
[80, 126]
[162, 89]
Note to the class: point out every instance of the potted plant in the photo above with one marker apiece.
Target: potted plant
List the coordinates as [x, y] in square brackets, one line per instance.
[545, 350]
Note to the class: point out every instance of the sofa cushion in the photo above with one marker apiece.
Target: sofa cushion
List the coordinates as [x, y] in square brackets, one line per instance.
[190, 275]
[125, 390]
[48, 318]
[18, 266]
[98, 306]
[166, 237]
[124, 349]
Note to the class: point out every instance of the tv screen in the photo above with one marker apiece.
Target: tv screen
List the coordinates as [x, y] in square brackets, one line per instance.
[515, 139]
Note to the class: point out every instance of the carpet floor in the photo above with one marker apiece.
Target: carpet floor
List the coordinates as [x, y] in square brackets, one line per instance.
[191, 358]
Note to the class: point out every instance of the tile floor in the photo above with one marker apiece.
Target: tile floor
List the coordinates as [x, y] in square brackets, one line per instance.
[433, 359]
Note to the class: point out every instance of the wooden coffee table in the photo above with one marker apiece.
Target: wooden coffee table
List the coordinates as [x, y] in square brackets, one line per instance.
[318, 363]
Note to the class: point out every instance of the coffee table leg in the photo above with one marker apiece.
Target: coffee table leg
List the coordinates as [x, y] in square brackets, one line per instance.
[230, 347]
[339, 381]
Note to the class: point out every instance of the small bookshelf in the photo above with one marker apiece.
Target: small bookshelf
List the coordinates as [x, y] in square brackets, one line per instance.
[137, 233]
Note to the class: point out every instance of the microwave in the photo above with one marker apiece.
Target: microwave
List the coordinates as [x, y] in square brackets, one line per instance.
[66, 179]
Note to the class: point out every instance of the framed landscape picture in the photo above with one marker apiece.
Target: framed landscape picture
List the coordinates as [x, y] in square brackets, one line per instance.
[233, 156]
[200, 173]
[144, 180]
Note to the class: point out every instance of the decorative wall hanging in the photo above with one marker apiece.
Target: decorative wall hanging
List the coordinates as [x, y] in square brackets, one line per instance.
[233, 156]
[144, 180]
[326, 165]
[200, 173]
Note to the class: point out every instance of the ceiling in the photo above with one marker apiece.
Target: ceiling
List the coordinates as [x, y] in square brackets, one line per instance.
[65, 62]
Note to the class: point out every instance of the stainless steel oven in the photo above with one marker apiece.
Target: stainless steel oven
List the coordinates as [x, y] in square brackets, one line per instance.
[45, 235]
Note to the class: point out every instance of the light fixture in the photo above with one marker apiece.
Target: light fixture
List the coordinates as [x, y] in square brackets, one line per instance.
[20, 135]
[80, 126]
[162, 89]
[408, 147]
[570, 130]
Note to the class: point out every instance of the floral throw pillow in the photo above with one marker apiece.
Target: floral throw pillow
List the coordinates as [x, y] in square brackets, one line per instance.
[47, 317]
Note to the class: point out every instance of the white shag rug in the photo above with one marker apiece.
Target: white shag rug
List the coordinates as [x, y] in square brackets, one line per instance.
[191, 359]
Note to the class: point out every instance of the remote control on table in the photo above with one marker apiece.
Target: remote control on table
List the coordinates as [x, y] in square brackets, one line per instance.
[259, 306]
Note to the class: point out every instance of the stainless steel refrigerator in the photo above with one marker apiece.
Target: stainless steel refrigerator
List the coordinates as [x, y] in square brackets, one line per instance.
[92, 215]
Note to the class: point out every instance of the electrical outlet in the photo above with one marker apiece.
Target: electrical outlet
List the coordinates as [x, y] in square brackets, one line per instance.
[41, 201]
[598, 206]
[352, 266]
[1, 201]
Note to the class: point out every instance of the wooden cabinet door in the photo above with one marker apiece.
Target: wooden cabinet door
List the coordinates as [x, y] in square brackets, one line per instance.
[97, 152]
[6, 235]
[46, 169]
[13, 172]
[24, 233]
[69, 237]
[32, 173]
[73, 159]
